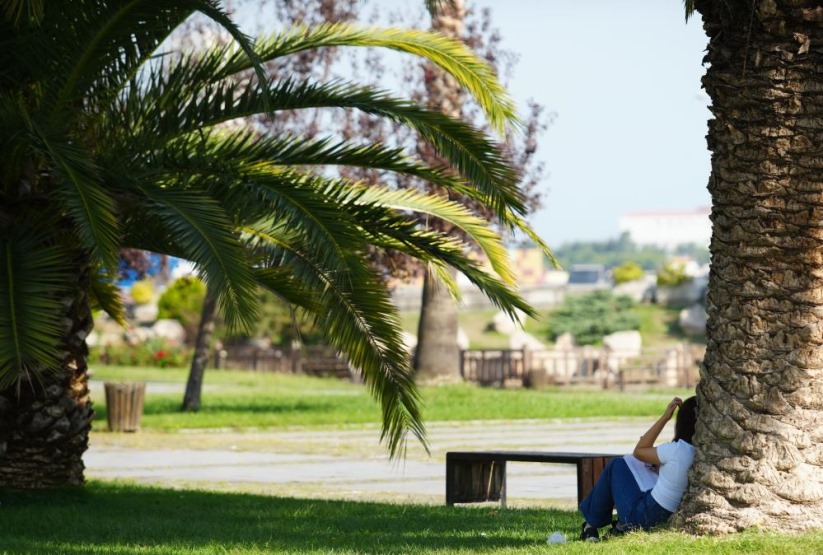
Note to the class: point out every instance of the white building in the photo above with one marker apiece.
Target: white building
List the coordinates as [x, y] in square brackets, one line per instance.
[668, 229]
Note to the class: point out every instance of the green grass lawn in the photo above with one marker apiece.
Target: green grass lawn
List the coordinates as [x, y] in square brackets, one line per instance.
[246, 399]
[120, 518]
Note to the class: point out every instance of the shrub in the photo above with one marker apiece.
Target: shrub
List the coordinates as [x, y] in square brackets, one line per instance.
[152, 352]
[672, 274]
[591, 316]
[183, 301]
[626, 272]
[142, 292]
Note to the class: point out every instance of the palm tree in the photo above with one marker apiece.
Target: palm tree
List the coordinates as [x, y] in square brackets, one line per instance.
[758, 440]
[108, 144]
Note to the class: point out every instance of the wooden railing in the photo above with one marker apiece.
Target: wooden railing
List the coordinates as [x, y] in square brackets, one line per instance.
[671, 367]
[314, 360]
[584, 366]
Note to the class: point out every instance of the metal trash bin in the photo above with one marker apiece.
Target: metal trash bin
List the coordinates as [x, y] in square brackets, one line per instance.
[124, 405]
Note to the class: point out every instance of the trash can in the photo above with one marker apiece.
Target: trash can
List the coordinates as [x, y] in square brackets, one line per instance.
[124, 405]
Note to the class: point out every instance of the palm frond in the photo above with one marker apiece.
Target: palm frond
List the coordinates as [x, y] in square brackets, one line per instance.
[86, 200]
[23, 12]
[105, 295]
[206, 235]
[476, 228]
[478, 160]
[34, 280]
[454, 57]
[357, 316]
[688, 7]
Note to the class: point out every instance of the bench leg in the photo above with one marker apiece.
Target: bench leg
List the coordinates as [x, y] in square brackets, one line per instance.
[588, 472]
[475, 481]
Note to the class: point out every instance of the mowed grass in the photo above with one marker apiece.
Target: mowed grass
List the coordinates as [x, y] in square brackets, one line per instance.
[246, 399]
[120, 518]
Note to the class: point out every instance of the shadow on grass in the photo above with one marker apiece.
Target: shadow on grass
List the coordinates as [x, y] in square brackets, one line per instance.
[123, 518]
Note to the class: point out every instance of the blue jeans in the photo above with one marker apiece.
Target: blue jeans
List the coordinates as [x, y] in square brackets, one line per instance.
[617, 487]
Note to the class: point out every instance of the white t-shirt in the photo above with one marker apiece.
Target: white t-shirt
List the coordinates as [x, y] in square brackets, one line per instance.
[675, 459]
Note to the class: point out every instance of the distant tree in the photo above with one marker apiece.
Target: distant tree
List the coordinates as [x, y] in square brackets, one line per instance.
[183, 301]
[610, 253]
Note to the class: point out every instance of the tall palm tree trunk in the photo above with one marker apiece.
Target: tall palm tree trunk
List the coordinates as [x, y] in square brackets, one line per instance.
[759, 438]
[437, 356]
[45, 423]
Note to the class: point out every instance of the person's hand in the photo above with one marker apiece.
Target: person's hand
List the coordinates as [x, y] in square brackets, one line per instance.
[676, 402]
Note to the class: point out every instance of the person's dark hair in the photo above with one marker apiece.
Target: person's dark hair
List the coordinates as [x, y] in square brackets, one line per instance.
[686, 417]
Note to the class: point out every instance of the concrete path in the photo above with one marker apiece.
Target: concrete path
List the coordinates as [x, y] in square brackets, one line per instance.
[349, 463]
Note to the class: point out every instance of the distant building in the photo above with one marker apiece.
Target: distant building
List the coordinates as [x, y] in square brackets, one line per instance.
[528, 263]
[668, 229]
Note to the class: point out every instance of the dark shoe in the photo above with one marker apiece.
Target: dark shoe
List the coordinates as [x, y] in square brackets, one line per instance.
[618, 529]
[589, 534]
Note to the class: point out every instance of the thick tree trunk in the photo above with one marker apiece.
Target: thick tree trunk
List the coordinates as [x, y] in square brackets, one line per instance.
[759, 438]
[194, 385]
[45, 421]
[437, 356]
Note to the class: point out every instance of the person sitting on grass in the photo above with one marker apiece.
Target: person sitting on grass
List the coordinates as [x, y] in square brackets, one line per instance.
[620, 483]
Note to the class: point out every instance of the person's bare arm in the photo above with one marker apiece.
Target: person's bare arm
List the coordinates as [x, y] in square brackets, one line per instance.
[645, 450]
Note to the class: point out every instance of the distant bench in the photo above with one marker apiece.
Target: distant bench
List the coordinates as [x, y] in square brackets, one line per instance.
[475, 476]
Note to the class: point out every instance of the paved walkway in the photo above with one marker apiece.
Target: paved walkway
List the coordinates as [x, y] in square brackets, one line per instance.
[349, 464]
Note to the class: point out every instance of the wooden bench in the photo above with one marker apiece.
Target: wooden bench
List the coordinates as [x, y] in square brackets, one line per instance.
[475, 476]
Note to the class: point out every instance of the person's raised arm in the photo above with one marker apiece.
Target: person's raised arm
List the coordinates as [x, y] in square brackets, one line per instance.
[645, 450]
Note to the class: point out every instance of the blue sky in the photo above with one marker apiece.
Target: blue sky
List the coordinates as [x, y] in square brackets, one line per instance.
[624, 81]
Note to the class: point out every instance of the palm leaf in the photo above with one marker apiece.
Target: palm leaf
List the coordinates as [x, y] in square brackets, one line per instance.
[34, 282]
[86, 200]
[452, 56]
[204, 233]
[357, 316]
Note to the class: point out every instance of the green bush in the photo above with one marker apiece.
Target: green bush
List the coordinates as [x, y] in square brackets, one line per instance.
[672, 274]
[591, 316]
[183, 301]
[626, 272]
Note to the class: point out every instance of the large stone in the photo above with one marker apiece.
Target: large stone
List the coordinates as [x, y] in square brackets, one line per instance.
[171, 330]
[624, 343]
[504, 324]
[520, 339]
[693, 319]
[145, 313]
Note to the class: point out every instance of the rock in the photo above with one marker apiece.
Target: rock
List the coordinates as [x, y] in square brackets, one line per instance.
[171, 330]
[625, 344]
[520, 339]
[564, 342]
[462, 339]
[145, 313]
[693, 319]
[502, 323]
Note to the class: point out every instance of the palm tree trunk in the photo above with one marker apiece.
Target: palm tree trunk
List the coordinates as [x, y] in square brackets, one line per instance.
[759, 437]
[45, 421]
[194, 384]
[437, 356]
